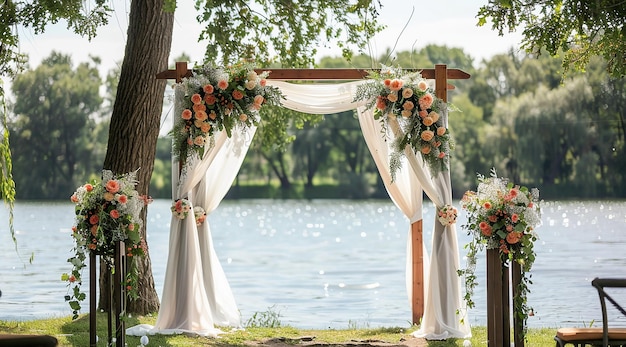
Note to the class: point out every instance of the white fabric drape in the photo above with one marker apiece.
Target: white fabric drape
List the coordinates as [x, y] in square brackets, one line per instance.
[196, 294]
[442, 286]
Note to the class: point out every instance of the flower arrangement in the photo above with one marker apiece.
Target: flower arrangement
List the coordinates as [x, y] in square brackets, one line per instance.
[106, 211]
[502, 216]
[200, 215]
[406, 97]
[216, 99]
[447, 215]
[180, 208]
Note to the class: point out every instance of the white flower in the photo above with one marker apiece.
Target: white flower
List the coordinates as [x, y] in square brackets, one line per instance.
[144, 340]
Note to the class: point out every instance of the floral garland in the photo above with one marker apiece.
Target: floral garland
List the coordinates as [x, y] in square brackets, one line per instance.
[106, 211]
[406, 97]
[502, 216]
[216, 99]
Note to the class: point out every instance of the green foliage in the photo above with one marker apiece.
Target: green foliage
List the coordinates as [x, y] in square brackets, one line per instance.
[284, 31]
[53, 138]
[581, 29]
[7, 184]
[267, 319]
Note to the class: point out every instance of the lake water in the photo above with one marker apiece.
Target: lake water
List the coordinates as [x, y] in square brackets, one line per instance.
[325, 263]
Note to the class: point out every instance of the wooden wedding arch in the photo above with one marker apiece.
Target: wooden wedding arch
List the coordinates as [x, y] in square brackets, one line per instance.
[440, 73]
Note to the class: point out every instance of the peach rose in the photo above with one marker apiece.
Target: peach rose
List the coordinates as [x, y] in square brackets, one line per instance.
[393, 97]
[422, 85]
[212, 115]
[427, 135]
[208, 89]
[441, 131]
[237, 94]
[514, 218]
[252, 76]
[121, 198]
[425, 149]
[243, 117]
[199, 107]
[205, 127]
[406, 113]
[72, 279]
[423, 113]
[94, 219]
[387, 82]
[263, 82]
[222, 84]
[259, 100]
[108, 196]
[487, 205]
[434, 115]
[198, 123]
[441, 155]
[186, 115]
[74, 198]
[408, 105]
[513, 237]
[196, 98]
[115, 214]
[380, 103]
[407, 93]
[113, 186]
[427, 121]
[426, 101]
[210, 99]
[201, 116]
[199, 141]
[395, 84]
[88, 187]
[250, 85]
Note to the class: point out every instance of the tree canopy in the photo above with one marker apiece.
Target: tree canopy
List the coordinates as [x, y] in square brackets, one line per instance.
[579, 29]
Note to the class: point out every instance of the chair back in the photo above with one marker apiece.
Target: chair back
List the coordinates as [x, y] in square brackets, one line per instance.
[600, 284]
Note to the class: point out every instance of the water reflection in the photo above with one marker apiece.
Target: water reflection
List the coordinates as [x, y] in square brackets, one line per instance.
[326, 264]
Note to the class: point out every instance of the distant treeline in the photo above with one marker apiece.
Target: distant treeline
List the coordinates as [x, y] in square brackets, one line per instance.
[516, 113]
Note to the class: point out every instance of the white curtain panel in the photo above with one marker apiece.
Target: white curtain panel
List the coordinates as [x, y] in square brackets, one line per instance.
[196, 294]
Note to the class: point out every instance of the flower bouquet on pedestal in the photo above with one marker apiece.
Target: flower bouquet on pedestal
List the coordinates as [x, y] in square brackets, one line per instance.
[107, 211]
[502, 216]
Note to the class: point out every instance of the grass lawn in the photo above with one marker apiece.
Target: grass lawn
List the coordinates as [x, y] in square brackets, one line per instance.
[76, 333]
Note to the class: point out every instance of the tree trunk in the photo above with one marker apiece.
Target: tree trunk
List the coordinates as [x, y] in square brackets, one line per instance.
[136, 118]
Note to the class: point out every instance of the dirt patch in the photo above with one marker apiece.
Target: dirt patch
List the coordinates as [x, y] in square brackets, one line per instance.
[309, 341]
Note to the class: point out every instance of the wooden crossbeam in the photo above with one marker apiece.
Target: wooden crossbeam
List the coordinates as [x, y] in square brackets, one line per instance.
[318, 74]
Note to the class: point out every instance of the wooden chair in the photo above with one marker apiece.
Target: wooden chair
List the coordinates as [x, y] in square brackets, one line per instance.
[605, 336]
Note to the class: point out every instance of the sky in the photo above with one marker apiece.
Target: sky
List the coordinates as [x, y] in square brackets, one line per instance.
[443, 22]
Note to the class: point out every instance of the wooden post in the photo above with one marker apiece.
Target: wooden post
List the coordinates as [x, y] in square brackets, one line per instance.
[502, 285]
[417, 240]
[92, 299]
[117, 298]
[518, 324]
[119, 292]
[495, 300]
